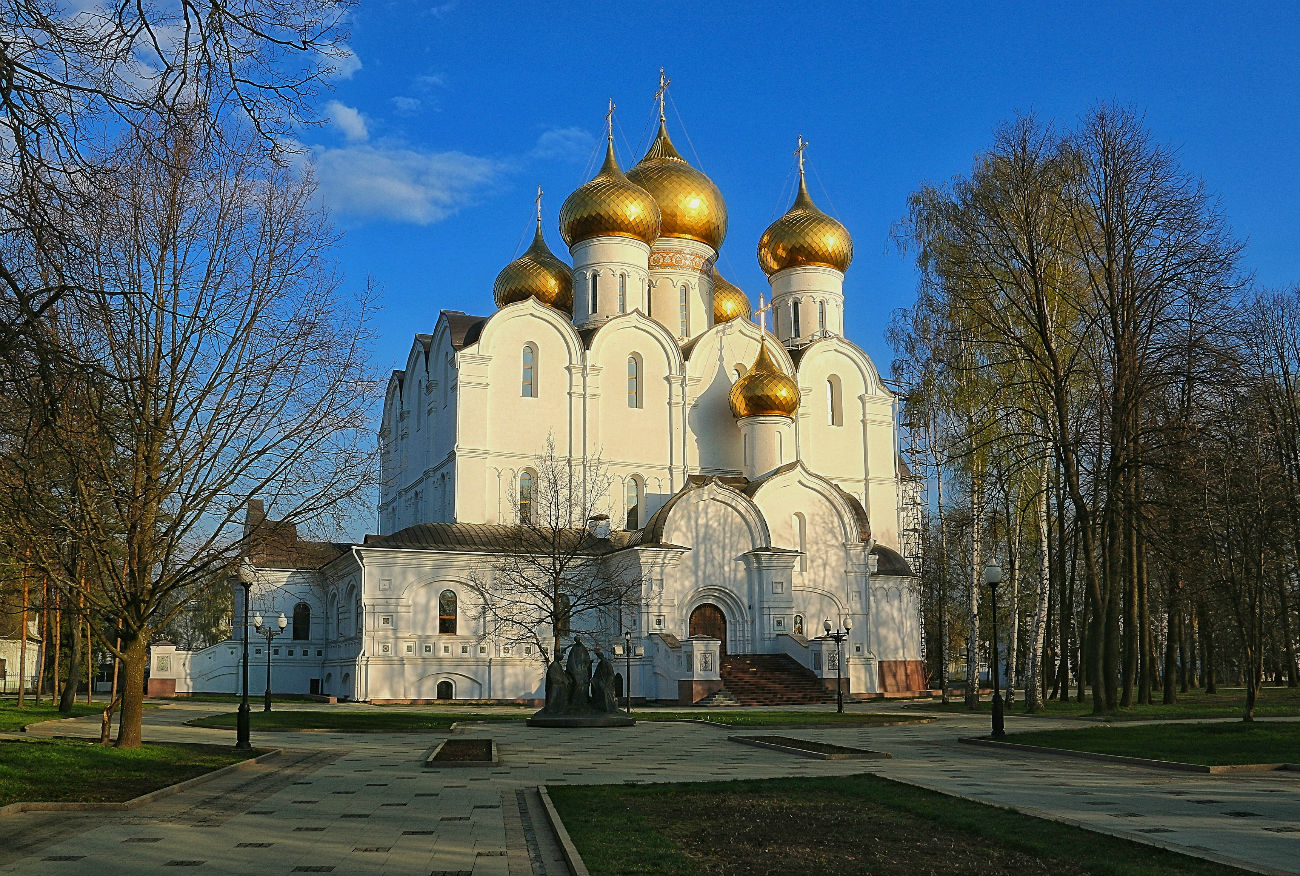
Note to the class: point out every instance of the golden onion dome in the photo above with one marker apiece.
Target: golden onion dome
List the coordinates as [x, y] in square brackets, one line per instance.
[689, 202]
[804, 236]
[729, 300]
[536, 273]
[764, 390]
[609, 205]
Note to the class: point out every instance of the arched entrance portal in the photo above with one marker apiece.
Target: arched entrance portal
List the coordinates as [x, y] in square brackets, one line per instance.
[708, 620]
[446, 691]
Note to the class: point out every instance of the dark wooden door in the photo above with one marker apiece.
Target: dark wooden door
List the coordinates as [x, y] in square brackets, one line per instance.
[708, 620]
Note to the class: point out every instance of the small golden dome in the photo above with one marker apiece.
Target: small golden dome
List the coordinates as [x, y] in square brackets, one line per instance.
[804, 236]
[729, 300]
[537, 273]
[608, 205]
[690, 204]
[764, 390]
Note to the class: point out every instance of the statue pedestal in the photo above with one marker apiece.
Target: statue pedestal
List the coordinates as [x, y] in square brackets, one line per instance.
[593, 719]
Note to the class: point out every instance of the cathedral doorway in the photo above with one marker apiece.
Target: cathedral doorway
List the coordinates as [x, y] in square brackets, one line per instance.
[708, 620]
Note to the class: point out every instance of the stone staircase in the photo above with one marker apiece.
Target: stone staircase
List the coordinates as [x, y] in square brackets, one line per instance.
[766, 680]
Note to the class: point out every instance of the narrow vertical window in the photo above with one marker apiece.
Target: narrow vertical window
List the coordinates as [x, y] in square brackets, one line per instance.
[683, 309]
[647, 292]
[594, 302]
[834, 402]
[800, 537]
[447, 613]
[633, 497]
[529, 387]
[622, 293]
[301, 621]
[821, 316]
[794, 319]
[633, 382]
[526, 496]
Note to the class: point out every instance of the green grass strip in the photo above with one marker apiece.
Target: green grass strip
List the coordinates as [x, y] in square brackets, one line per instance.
[1217, 744]
[832, 825]
[1273, 702]
[13, 718]
[64, 770]
[287, 720]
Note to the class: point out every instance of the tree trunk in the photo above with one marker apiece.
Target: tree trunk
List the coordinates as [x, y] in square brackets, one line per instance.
[1208, 656]
[45, 638]
[1146, 667]
[22, 638]
[69, 695]
[58, 644]
[135, 650]
[1171, 639]
[973, 607]
[1013, 649]
[943, 590]
[1044, 588]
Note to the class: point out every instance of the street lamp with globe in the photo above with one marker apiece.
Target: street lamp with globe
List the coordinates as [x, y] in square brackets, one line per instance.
[269, 632]
[838, 637]
[993, 577]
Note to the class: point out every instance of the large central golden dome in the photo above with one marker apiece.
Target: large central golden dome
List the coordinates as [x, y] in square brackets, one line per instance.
[764, 390]
[729, 300]
[609, 205]
[804, 236]
[690, 204]
[537, 273]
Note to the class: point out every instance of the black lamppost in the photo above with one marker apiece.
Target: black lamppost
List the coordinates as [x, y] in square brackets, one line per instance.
[838, 637]
[627, 674]
[269, 632]
[246, 576]
[993, 577]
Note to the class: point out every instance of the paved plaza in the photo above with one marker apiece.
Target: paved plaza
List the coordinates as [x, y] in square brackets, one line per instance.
[364, 803]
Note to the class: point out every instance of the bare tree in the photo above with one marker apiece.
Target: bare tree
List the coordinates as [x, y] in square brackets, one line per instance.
[561, 574]
[226, 366]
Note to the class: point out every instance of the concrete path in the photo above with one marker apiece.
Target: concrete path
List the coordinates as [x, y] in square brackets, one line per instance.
[362, 803]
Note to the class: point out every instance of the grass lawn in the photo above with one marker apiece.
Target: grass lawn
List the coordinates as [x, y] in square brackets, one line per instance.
[1273, 702]
[60, 771]
[1205, 744]
[13, 718]
[776, 718]
[344, 721]
[850, 824]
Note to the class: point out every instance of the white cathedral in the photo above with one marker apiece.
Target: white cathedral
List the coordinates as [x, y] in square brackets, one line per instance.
[757, 487]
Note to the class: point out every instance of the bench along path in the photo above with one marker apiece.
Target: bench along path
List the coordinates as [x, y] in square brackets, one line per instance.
[362, 803]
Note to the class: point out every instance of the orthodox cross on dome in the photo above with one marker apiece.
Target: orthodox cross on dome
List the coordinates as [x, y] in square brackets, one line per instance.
[798, 153]
[539, 205]
[664, 82]
[609, 121]
[761, 313]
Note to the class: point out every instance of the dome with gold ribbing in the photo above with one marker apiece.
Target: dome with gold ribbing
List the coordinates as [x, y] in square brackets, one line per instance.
[729, 300]
[609, 205]
[764, 390]
[804, 236]
[537, 274]
[689, 203]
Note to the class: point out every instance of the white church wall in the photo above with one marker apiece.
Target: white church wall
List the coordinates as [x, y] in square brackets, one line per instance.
[714, 444]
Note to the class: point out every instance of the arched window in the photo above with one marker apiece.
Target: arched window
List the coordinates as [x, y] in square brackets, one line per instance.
[301, 621]
[634, 381]
[800, 525]
[794, 319]
[447, 612]
[821, 316]
[529, 387]
[633, 496]
[737, 372]
[526, 485]
[834, 402]
[682, 306]
[594, 291]
[446, 690]
[622, 293]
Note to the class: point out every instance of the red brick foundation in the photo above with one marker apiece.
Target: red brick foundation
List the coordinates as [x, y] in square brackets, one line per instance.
[902, 676]
[690, 692]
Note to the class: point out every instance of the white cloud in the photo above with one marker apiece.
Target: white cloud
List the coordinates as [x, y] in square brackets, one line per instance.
[349, 121]
[566, 144]
[400, 184]
[405, 106]
[344, 62]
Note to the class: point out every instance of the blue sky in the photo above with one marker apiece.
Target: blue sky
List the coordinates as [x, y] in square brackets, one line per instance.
[454, 112]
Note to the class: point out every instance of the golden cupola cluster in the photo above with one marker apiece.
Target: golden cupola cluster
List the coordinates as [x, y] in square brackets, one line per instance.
[804, 236]
[690, 204]
[764, 390]
[537, 274]
[729, 300]
[609, 205]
